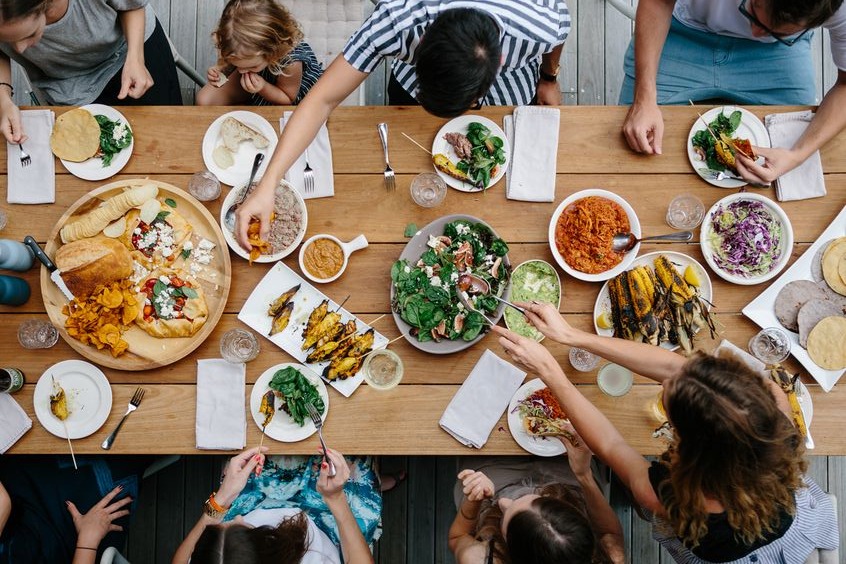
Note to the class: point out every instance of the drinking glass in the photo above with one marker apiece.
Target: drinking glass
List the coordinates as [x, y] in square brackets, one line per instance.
[770, 345]
[428, 189]
[614, 380]
[685, 212]
[656, 407]
[204, 186]
[582, 360]
[37, 334]
[383, 369]
[4, 218]
[238, 346]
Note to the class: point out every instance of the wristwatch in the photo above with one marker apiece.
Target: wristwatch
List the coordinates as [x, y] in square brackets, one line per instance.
[549, 77]
[213, 509]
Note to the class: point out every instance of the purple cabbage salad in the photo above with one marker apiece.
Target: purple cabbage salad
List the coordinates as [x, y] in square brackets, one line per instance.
[746, 238]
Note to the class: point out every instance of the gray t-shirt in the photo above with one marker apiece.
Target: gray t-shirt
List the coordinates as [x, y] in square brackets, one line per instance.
[78, 54]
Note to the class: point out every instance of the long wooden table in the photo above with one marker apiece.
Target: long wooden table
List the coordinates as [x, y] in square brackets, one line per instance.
[591, 153]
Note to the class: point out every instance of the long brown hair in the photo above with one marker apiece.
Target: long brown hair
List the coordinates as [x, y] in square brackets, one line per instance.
[732, 444]
[257, 28]
[14, 9]
[239, 544]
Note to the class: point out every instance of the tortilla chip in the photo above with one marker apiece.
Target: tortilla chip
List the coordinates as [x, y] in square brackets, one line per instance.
[827, 343]
[76, 136]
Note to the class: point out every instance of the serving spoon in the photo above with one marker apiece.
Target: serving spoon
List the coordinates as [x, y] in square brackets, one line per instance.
[625, 242]
[229, 218]
[472, 284]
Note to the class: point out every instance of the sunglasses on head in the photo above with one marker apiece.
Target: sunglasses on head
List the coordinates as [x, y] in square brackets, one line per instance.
[789, 41]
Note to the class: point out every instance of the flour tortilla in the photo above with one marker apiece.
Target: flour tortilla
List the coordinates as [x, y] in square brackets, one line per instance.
[830, 265]
[812, 313]
[76, 136]
[816, 264]
[827, 343]
[791, 298]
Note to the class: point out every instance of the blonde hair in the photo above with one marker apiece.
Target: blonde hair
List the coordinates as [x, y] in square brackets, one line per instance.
[260, 28]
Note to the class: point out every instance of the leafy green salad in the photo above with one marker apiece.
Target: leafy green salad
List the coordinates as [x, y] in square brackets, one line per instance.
[296, 391]
[703, 142]
[114, 137]
[426, 292]
[486, 155]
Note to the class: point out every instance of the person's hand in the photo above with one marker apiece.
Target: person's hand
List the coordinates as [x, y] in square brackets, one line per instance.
[644, 128]
[549, 94]
[259, 204]
[333, 488]
[237, 472]
[10, 122]
[776, 163]
[528, 353]
[213, 75]
[475, 485]
[91, 527]
[252, 82]
[578, 453]
[546, 319]
[135, 79]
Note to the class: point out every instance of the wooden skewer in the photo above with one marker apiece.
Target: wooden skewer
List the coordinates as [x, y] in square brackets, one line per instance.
[70, 446]
[733, 145]
[342, 303]
[416, 143]
[377, 319]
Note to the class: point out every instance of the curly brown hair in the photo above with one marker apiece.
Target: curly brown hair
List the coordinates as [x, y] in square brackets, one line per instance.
[732, 444]
[284, 544]
[257, 28]
[15, 9]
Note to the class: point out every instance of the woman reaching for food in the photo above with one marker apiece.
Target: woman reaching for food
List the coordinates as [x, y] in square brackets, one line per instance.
[732, 485]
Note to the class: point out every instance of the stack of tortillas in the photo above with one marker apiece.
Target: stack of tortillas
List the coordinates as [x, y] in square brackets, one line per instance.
[76, 136]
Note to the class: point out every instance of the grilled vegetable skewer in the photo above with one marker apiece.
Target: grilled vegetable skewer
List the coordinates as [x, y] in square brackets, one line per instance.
[59, 408]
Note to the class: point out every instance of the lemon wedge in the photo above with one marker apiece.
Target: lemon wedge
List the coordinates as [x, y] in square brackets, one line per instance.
[603, 321]
[692, 276]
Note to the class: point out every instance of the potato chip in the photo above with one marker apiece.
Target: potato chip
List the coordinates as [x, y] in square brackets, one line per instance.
[258, 246]
[76, 136]
[101, 318]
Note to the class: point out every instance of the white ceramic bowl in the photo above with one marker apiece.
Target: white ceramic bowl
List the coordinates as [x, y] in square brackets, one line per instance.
[356, 244]
[511, 288]
[633, 222]
[231, 197]
[778, 214]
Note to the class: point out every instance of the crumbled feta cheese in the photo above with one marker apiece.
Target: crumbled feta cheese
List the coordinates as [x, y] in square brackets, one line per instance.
[436, 281]
[433, 242]
[119, 131]
[164, 279]
[205, 244]
[188, 245]
[137, 231]
[461, 229]
[453, 277]
[428, 270]
[407, 269]
[167, 251]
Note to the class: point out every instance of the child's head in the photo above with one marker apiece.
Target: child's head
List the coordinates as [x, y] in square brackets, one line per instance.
[255, 34]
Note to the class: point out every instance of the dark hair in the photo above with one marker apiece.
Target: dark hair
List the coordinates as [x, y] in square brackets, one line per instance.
[457, 61]
[807, 13]
[238, 544]
[14, 9]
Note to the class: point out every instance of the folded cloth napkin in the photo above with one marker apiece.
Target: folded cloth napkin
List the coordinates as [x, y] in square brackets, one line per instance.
[806, 180]
[477, 406]
[36, 183]
[221, 418]
[14, 422]
[533, 133]
[319, 159]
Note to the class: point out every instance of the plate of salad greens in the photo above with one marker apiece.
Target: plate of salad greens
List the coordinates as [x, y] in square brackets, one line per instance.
[476, 152]
[424, 294]
[736, 123]
[116, 144]
[293, 386]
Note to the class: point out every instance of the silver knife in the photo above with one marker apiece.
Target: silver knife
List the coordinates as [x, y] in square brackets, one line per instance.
[55, 273]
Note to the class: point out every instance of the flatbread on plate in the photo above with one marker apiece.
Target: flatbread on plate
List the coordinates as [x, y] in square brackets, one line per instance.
[76, 136]
[174, 322]
[831, 263]
[827, 343]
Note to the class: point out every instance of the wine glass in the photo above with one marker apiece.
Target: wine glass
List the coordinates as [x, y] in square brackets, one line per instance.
[238, 346]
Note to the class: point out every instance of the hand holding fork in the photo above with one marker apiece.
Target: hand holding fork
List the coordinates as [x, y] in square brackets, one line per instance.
[318, 423]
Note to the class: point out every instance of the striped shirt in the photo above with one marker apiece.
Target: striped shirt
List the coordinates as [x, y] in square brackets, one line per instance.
[528, 29]
[312, 70]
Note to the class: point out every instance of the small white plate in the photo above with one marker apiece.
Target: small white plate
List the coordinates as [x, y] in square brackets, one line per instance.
[239, 172]
[750, 128]
[88, 393]
[282, 427]
[541, 446]
[459, 125]
[93, 169]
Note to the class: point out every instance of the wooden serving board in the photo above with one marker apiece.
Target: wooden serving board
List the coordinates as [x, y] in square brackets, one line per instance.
[145, 351]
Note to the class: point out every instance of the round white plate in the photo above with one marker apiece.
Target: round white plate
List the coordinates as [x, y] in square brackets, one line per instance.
[541, 446]
[239, 172]
[680, 261]
[88, 394]
[750, 128]
[634, 223]
[459, 125]
[233, 195]
[282, 427]
[93, 168]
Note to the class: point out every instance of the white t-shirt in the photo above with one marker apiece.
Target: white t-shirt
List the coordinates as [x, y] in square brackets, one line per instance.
[321, 549]
[723, 17]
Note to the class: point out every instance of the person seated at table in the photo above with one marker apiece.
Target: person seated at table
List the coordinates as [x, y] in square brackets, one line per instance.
[732, 484]
[750, 52]
[51, 513]
[262, 42]
[447, 57]
[291, 524]
[534, 511]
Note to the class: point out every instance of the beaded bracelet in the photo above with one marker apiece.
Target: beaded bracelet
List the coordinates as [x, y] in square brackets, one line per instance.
[11, 88]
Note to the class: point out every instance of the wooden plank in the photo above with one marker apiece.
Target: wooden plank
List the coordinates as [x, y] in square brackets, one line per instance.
[622, 506]
[208, 15]
[169, 510]
[421, 508]
[183, 34]
[446, 472]
[141, 538]
[618, 33]
[591, 53]
[392, 545]
[818, 469]
[837, 486]
[569, 73]
[202, 477]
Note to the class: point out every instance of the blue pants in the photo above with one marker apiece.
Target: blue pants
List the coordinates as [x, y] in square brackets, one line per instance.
[696, 65]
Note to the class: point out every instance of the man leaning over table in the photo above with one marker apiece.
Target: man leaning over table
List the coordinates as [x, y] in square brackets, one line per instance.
[749, 51]
[449, 56]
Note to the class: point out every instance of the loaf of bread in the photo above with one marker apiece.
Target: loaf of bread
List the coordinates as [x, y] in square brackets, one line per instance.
[233, 132]
[97, 219]
[88, 263]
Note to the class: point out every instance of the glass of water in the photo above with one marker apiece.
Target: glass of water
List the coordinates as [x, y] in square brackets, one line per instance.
[204, 186]
[428, 189]
[4, 218]
[383, 369]
[770, 345]
[238, 345]
[615, 380]
[686, 211]
[582, 360]
[37, 334]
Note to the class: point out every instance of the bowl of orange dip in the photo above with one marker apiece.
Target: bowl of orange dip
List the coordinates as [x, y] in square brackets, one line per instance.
[323, 258]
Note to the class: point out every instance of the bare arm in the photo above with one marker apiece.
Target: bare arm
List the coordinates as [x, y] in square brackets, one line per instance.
[549, 93]
[10, 115]
[353, 545]
[604, 521]
[476, 487]
[135, 78]
[5, 507]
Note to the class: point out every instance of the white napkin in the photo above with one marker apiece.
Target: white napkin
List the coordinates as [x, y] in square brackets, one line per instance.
[728, 349]
[806, 180]
[221, 418]
[477, 406]
[36, 183]
[533, 133]
[14, 422]
[320, 161]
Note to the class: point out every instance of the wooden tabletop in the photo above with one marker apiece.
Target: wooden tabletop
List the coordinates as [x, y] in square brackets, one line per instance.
[591, 153]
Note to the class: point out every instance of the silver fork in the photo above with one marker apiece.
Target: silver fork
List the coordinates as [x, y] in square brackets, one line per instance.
[26, 160]
[308, 176]
[390, 181]
[133, 405]
[318, 423]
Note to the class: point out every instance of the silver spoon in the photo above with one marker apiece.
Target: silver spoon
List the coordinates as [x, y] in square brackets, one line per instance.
[229, 218]
[625, 242]
[472, 284]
